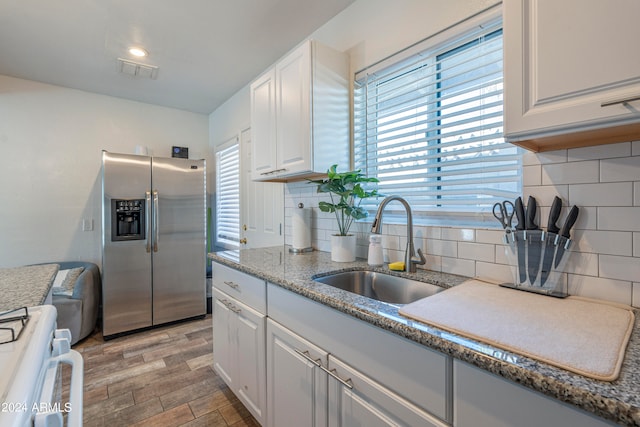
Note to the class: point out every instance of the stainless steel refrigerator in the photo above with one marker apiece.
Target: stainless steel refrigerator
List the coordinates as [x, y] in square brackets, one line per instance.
[153, 241]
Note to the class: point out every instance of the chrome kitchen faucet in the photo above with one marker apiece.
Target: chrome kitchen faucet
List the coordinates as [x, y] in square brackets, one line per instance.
[410, 258]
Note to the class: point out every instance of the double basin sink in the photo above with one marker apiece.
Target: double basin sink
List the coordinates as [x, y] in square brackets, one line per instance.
[380, 286]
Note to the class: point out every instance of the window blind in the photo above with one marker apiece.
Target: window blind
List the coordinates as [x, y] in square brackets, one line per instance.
[429, 127]
[228, 195]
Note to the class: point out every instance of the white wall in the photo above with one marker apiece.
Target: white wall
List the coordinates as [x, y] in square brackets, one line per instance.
[230, 118]
[51, 140]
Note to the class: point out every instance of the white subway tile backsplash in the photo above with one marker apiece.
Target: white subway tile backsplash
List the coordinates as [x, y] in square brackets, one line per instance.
[622, 149]
[544, 194]
[636, 193]
[600, 288]
[476, 251]
[459, 234]
[529, 158]
[446, 248]
[463, 267]
[587, 218]
[505, 255]
[603, 242]
[548, 157]
[604, 262]
[571, 173]
[395, 255]
[390, 241]
[619, 267]
[433, 263]
[603, 194]
[622, 169]
[495, 237]
[532, 174]
[494, 273]
[581, 263]
[433, 232]
[619, 218]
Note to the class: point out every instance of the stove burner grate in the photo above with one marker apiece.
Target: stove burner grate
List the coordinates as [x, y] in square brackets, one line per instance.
[12, 324]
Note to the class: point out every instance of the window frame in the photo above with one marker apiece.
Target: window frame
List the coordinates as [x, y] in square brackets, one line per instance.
[231, 241]
[440, 45]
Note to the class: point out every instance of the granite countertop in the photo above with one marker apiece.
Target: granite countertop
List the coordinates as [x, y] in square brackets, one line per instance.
[618, 400]
[25, 286]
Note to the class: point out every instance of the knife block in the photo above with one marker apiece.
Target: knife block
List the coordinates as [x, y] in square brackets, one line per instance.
[537, 259]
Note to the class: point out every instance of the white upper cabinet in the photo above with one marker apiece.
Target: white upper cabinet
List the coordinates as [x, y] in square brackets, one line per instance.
[572, 72]
[263, 123]
[300, 114]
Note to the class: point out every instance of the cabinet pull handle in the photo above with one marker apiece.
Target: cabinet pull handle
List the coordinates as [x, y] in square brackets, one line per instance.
[347, 383]
[231, 284]
[307, 356]
[273, 171]
[620, 101]
[230, 305]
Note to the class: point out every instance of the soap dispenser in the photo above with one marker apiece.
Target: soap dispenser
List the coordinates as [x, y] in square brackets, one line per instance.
[375, 258]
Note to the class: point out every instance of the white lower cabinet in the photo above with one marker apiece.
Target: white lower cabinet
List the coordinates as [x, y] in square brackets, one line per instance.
[357, 400]
[239, 350]
[325, 368]
[306, 386]
[296, 385]
[483, 399]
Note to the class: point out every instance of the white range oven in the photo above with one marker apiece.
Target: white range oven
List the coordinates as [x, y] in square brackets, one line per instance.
[31, 353]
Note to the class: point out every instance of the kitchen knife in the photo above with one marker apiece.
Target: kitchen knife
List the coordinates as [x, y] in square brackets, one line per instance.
[520, 239]
[565, 232]
[549, 245]
[534, 244]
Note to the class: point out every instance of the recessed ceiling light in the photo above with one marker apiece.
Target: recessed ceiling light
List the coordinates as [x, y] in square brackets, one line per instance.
[138, 51]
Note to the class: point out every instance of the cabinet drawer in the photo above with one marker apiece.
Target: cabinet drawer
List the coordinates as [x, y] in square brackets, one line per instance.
[241, 286]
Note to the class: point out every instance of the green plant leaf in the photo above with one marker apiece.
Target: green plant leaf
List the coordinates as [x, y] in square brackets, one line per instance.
[349, 192]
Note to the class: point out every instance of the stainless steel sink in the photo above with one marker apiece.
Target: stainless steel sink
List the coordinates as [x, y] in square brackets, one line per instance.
[380, 286]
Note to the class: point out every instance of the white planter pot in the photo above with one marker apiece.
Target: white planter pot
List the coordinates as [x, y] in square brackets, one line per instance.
[343, 248]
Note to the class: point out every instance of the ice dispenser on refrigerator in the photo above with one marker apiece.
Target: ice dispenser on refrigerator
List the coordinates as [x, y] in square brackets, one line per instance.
[129, 219]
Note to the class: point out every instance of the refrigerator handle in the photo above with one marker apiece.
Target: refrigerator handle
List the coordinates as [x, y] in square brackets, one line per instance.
[155, 221]
[147, 220]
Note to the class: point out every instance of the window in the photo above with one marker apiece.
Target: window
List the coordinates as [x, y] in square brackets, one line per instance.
[429, 126]
[228, 195]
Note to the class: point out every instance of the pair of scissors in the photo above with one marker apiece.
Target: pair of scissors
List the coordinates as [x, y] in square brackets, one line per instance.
[504, 213]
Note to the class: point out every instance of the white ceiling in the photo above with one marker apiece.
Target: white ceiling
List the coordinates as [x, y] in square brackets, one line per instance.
[206, 50]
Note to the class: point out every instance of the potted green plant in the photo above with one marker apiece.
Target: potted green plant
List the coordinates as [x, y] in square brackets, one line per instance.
[346, 191]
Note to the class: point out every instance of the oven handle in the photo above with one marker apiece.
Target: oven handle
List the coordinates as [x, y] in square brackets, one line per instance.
[73, 358]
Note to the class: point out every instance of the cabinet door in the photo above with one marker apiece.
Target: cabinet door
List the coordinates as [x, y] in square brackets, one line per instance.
[563, 60]
[263, 126]
[296, 386]
[358, 400]
[483, 399]
[293, 99]
[250, 384]
[223, 339]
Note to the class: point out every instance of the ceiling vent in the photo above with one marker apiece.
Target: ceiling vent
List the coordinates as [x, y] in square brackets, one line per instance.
[137, 69]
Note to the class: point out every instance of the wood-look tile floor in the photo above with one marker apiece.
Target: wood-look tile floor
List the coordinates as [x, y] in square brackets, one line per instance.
[161, 377]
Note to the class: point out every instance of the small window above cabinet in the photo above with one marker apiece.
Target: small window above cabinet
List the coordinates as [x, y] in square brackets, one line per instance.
[300, 114]
[572, 73]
